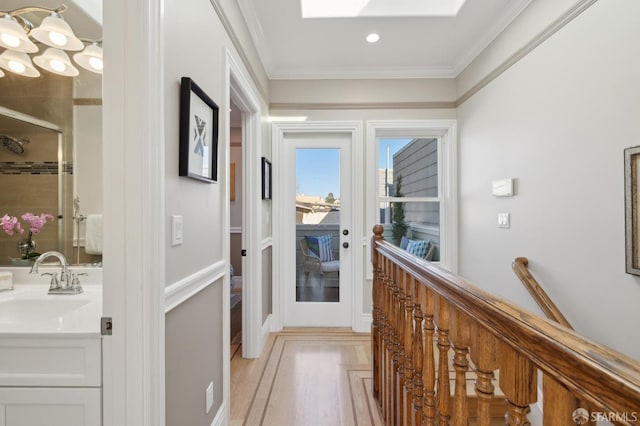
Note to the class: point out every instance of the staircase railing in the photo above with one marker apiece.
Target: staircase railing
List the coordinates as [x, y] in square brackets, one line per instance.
[545, 303]
[417, 303]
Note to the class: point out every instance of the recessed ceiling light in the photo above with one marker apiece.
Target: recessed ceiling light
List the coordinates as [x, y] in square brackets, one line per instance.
[373, 37]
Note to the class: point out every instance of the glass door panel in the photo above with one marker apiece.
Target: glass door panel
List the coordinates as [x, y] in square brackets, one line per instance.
[317, 206]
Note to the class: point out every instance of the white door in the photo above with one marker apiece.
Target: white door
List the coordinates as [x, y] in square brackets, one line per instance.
[318, 231]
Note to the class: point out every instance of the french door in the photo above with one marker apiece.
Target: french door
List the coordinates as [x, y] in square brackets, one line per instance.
[318, 230]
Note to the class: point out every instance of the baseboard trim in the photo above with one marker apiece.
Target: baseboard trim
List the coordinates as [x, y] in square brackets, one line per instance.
[221, 417]
[266, 330]
[183, 290]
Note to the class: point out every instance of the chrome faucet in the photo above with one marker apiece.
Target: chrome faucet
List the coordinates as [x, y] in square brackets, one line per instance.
[69, 282]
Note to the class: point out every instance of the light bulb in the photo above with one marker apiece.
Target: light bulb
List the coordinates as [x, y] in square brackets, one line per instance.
[96, 63]
[57, 38]
[57, 65]
[17, 67]
[373, 38]
[10, 40]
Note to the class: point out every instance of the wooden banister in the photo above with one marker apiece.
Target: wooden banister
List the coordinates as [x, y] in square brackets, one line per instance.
[545, 303]
[493, 333]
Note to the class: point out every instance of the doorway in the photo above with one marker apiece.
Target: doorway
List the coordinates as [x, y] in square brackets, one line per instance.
[317, 230]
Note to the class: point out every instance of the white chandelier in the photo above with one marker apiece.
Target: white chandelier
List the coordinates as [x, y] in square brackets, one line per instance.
[17, 36]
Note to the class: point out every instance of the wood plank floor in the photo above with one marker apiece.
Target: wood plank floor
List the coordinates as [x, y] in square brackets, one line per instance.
[305, 377]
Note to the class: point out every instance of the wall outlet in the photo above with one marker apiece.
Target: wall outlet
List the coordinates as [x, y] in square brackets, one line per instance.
[176, 230]
[209, 397]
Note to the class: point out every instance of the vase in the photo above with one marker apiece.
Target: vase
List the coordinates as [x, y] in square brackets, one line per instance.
[26, 247]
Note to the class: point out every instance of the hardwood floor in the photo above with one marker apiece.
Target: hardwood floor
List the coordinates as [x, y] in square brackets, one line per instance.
[305, 377]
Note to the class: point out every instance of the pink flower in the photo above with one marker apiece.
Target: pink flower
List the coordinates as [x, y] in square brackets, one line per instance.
[36, 222]
[10, 224]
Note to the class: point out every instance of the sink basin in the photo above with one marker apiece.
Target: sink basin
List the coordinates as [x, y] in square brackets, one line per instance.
[29, 311]
[13, 311]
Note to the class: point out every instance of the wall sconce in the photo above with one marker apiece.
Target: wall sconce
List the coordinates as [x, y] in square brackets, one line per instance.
[17, 36]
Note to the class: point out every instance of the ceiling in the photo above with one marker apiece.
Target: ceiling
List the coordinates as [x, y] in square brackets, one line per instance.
[410, 47]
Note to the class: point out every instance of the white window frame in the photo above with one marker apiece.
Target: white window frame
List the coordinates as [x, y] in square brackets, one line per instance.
[445, 131]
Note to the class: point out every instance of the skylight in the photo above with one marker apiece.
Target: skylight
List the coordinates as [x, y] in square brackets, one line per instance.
[379, 8]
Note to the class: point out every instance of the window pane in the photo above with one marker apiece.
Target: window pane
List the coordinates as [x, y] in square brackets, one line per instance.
[421, 222]
[408, 167]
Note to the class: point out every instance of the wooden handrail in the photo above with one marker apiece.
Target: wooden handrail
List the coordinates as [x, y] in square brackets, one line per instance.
[475, 322]
[545, 303]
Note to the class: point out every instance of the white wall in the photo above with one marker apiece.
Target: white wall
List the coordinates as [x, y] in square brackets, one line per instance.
[558, 122]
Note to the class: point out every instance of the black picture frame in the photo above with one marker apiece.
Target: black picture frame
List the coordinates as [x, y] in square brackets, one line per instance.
[198, 133]
[267, 180]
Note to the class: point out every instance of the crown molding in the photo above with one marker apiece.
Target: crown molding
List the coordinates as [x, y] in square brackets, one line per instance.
[239, 48]
[364, 73]
[362, 105]
[541, 37]
[482, 44]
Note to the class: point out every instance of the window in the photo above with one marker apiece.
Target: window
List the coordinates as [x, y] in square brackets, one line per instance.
[408, 190]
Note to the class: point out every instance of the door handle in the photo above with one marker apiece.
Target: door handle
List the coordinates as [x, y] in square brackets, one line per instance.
[345, 245]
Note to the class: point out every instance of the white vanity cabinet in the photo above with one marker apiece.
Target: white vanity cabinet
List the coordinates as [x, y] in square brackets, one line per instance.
[50, 358]
[50, 381]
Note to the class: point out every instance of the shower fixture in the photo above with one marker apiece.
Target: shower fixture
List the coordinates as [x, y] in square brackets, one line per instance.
[12, 144]
[19, 37]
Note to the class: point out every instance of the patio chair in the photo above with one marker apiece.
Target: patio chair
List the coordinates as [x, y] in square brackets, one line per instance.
[312, 263]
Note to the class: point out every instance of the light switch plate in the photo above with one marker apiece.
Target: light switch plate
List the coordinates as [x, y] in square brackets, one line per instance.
[504, 220]
[176, 230]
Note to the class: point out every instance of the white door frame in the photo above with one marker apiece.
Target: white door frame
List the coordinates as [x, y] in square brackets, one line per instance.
[134, 214]
[279, 131]
[244, 95]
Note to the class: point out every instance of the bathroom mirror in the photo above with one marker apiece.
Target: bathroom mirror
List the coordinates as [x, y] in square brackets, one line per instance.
[54, 124]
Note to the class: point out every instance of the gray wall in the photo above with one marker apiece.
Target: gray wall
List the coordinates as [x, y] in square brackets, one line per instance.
[558, 122]
[193, 357]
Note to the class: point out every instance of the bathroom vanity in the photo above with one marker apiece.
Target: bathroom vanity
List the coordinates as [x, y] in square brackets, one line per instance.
[50, 356]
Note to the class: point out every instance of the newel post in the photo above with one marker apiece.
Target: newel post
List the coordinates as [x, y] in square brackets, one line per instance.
[375, 325]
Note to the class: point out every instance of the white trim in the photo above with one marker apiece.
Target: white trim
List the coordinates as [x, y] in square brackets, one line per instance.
[445, 131]
[367, 320]
[183, 290]
[133, 112]
[266, 243]
[266, 329]
[246, 97]
[235, 230]
[354, 128]
[221, 417]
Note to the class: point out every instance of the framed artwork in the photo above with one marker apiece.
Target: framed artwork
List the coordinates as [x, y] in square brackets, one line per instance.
[198, 133]
[632, 209]
[266, 179]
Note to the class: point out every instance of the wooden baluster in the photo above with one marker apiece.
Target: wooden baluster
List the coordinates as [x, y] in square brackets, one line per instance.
[418, 387]
[558, 402]
[444, 391]
[408, 348]
[484, 355]
[375, 325]
[518, 381]
[460, 338]
[392, 352]
[429, 364]
[387, 342]
[400, 350]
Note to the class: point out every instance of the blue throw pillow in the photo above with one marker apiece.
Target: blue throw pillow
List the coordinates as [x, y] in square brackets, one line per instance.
[418, 248]
[321, 247]
[404, 242]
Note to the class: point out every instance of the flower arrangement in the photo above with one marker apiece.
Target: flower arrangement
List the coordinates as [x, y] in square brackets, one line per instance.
[11, 225]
